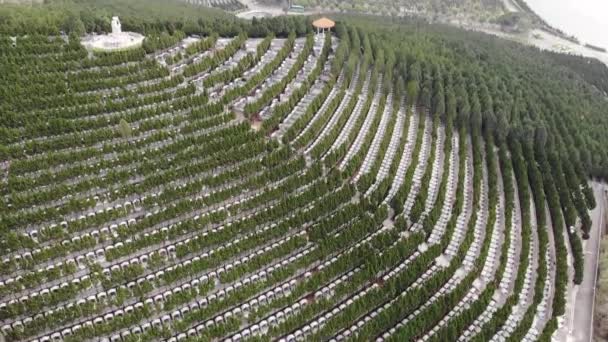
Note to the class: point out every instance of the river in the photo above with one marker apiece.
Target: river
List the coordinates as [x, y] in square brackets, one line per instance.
[587, 20]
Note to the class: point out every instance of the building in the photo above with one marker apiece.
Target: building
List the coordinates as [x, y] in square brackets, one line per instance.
[323, 24]
[116, 40]
[297, 8]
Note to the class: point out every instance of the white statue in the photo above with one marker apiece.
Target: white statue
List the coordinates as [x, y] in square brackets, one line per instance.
[116, 27]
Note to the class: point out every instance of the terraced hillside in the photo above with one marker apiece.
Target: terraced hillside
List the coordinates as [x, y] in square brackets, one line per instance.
[480, 11]
[312, 187]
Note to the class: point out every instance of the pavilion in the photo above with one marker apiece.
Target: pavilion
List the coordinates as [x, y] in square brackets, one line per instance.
[117, 40]
[323, 24]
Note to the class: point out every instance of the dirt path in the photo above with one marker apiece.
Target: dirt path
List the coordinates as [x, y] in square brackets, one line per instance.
[578, 323]
[511, 6]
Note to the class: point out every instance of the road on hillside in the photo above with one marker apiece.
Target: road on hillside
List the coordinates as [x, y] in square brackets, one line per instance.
[581, 325]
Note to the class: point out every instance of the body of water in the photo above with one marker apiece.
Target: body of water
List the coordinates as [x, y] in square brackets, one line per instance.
[587, 20]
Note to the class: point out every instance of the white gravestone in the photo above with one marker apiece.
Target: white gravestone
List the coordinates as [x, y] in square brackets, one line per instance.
[116, 27]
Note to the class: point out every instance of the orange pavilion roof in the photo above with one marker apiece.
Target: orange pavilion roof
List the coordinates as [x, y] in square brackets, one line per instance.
[323, 23]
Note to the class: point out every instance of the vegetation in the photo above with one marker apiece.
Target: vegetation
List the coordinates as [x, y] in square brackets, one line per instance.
[477, 10]
[261, 182]
[602, 293]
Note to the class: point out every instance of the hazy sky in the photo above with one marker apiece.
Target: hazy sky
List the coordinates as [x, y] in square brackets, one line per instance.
[585, 19]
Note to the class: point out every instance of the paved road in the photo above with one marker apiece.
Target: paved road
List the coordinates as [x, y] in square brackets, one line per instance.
[580, 326]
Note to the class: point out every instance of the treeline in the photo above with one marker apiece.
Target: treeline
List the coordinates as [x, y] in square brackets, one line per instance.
[520, 88]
